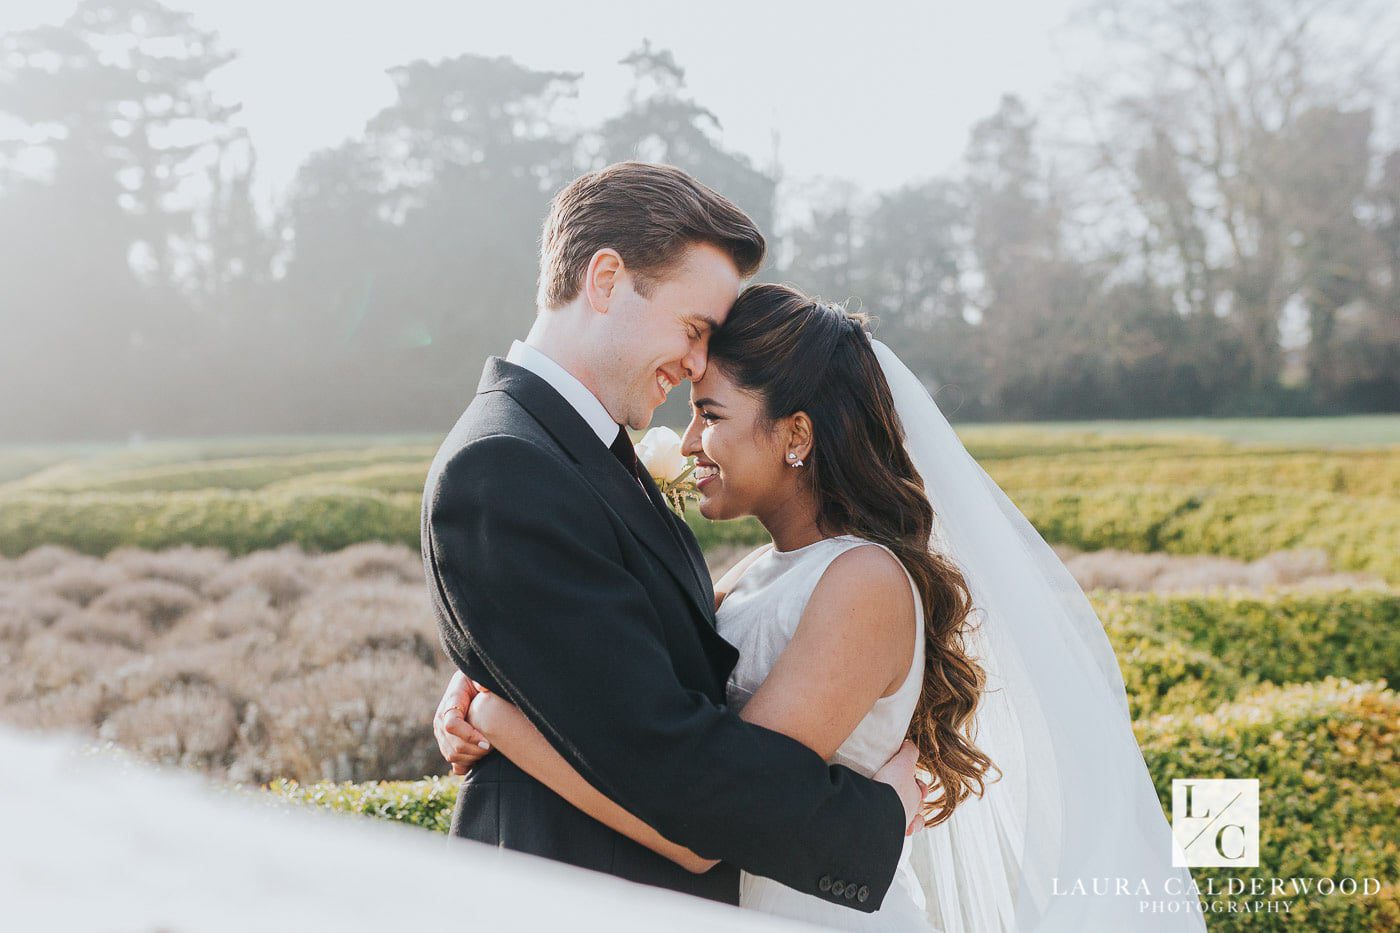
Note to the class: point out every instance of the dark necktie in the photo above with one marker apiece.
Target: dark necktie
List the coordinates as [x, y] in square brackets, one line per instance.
[626, 455]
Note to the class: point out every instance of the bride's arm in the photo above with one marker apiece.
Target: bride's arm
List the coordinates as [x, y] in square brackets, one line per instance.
[854, 644]
[516, 737]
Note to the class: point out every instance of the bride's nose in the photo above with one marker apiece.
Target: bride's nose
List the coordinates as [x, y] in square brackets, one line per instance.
[690, 442]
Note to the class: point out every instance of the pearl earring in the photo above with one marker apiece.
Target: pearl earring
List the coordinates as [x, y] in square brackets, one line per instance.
[793, 457]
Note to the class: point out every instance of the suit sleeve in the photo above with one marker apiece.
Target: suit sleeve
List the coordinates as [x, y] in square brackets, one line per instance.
[531, 581]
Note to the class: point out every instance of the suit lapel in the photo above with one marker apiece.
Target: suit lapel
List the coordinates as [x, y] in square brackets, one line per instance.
[606, 474]
[686, 539]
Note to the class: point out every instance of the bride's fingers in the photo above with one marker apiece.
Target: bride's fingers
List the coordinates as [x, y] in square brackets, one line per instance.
[455, 726]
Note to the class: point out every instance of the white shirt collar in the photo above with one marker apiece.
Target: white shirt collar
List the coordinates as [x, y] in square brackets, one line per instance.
[566, 384]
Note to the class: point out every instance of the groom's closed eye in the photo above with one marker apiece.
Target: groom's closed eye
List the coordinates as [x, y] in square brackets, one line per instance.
[704, 324]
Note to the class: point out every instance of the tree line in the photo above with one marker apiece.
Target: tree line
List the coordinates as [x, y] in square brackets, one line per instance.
[1210, 225]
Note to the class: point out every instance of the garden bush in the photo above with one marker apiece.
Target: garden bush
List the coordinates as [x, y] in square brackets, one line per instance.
[237, 521]
[1356, 533]
[1353, 473]
[427, 803]
[1324, 755]
[1283, 638]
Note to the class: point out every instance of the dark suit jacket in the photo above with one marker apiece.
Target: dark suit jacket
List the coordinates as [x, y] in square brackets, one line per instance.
[559, 585]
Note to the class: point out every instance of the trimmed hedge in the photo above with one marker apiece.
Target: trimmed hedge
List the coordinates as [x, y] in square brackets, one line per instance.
[242, 472]
[427, 803]
[239, 522]
[1162, 674]
[1324, 755]
[1358, 534]
[1285, 638]
[381, 477]
[1358, 473]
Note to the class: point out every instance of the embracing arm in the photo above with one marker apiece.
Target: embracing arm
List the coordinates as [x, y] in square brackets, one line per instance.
[854, 644]
[532, 589]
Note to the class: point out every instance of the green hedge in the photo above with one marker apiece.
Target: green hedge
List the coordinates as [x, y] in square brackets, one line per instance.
[1163, 674]
[242, 472]
[996, 442]
[381, 477]
[1357, 533]
[427, 803]
[744, 531]
[239, 522]
[1353, 473]
[1324, 755]
[1286, 638]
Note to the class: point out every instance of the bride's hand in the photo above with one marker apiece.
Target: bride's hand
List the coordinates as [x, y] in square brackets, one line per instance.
[489, 713]
[900, 773]
[461, 743]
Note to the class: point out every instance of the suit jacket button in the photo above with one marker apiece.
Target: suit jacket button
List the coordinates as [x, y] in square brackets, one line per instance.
[851, 892]
[863, 894]
[838, 888]
[825, 883]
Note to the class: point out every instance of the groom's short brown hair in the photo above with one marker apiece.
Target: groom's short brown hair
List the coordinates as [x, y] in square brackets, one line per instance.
[650, 214]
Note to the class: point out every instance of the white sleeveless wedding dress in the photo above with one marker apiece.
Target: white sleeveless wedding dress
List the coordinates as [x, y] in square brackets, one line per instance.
[759, 617]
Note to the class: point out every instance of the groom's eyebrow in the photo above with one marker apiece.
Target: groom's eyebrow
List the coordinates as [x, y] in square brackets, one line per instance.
[705, 319]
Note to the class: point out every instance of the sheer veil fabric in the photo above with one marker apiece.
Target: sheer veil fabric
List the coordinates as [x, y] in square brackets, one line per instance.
[1076, 809]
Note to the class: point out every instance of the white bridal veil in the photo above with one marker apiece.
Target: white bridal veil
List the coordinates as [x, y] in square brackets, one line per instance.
[1076, 811]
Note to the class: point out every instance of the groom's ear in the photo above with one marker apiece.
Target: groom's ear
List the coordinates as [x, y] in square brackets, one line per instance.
[601, 277]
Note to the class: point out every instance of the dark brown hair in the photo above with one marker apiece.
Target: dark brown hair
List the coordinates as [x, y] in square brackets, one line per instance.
[799, 354]
[650, 214]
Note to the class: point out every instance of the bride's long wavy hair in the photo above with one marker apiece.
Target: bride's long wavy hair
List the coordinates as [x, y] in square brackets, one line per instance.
[799, 354]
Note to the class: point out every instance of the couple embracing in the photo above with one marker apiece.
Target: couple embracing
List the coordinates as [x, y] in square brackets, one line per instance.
[900, 715]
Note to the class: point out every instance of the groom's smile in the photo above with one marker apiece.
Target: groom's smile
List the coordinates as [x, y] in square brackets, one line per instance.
[666, 382]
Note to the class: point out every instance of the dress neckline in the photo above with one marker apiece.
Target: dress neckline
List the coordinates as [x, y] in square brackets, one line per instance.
[806, 547]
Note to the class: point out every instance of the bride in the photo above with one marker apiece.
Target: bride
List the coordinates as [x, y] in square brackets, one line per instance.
[904, 596]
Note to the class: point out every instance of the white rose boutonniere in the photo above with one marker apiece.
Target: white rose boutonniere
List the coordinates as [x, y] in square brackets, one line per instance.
[659, 451]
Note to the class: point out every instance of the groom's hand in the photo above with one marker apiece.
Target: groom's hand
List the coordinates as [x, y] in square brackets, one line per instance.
[898, 772]
[460, 744]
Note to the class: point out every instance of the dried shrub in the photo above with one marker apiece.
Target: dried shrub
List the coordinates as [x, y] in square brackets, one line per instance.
[342, 621]
[42, 561]
[1114, 569]
[353, 721]
[126, 629]
[190, 567]
[371, 560]
[79, 707]
[82, 580]
[26, 609]
[159, 602]
[281, 574]
[191, 726]
[48, 661]
[243, 611]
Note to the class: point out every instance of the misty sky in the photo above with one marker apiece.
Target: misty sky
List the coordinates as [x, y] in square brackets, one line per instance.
[881, 92]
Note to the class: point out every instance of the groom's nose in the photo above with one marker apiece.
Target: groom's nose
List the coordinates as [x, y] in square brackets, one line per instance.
[694, 364]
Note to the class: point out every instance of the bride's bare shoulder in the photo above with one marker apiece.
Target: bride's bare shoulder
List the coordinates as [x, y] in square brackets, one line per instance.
[868, 573]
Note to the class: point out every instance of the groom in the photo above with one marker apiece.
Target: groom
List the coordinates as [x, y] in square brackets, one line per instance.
[561, 580]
